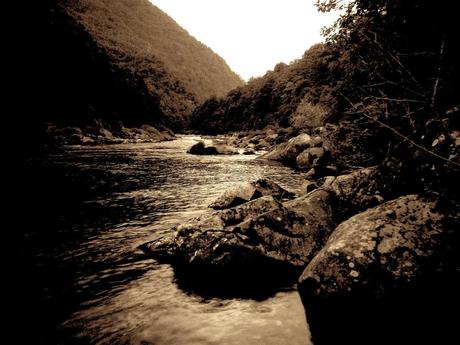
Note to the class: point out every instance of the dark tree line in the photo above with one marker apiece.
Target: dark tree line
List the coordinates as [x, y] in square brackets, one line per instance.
[399, 95]
[387, 78]
[276, 99]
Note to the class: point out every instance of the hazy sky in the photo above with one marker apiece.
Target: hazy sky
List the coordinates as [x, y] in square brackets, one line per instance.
[251, 35]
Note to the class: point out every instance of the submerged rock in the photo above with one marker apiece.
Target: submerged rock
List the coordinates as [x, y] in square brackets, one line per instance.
[250, 191]
[223, 149]
[367, 285]
[197, 149]
[200, 148]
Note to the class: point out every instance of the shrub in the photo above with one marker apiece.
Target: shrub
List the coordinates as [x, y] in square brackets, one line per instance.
[308, 116]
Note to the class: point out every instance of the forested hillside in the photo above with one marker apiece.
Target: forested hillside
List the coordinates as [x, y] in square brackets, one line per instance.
[387, 80]
[140, 37]
[114, 63]
[298, 94]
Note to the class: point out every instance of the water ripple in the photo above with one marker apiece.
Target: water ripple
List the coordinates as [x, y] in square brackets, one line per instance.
[107, 200]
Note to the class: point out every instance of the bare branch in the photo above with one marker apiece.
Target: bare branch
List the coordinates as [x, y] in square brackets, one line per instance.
[453, 110]
[395, 131]
[405, 100]
[386, 52]
[439, 70]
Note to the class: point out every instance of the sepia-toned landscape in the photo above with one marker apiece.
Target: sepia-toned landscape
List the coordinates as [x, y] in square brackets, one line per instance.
[155, 197]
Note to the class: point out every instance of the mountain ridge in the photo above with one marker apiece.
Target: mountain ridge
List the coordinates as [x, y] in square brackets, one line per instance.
[100, 17]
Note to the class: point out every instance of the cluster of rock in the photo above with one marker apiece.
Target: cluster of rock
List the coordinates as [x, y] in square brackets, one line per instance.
[367, 253]
[250, 142]
[96, 135]
[261, 222]
[259, 229]
[258, 140]
[305, 152]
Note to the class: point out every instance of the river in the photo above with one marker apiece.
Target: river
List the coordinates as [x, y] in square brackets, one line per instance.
[82, 279]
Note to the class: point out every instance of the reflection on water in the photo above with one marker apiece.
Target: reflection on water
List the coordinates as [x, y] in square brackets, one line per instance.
[94, 285]
[151, 310]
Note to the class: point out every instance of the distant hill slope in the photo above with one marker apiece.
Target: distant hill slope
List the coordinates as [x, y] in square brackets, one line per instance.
[298, 94]
[123, 62]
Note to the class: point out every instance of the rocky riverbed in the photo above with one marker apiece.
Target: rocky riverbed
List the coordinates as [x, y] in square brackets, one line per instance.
[99, 133]
[369, 250]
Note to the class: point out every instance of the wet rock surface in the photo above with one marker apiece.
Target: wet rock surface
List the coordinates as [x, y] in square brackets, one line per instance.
[369, 282]
[258, 140]
[200, 148]
[287, 152]
[249, 191]
[305, 152]
[261, 240]
[363, 188]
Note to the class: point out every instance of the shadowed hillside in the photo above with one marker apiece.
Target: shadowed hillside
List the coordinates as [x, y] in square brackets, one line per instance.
[140, 37]
[121, 63]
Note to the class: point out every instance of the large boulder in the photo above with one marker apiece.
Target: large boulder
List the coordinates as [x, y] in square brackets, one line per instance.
[304, 152]
[381, 278]
[355, 192]
[249, 191]
[365, 188]
[294, 232]
[261, 240]
[287, 152]
[312, 157]
[182, 241]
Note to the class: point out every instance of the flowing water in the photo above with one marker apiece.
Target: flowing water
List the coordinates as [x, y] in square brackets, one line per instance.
[83, 280]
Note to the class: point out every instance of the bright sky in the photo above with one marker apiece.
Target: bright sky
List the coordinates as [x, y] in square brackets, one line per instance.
[251, 35]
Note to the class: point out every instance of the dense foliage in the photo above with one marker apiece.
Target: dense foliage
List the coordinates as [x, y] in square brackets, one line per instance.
[388, 78]
[400, 93]
[278, 98]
